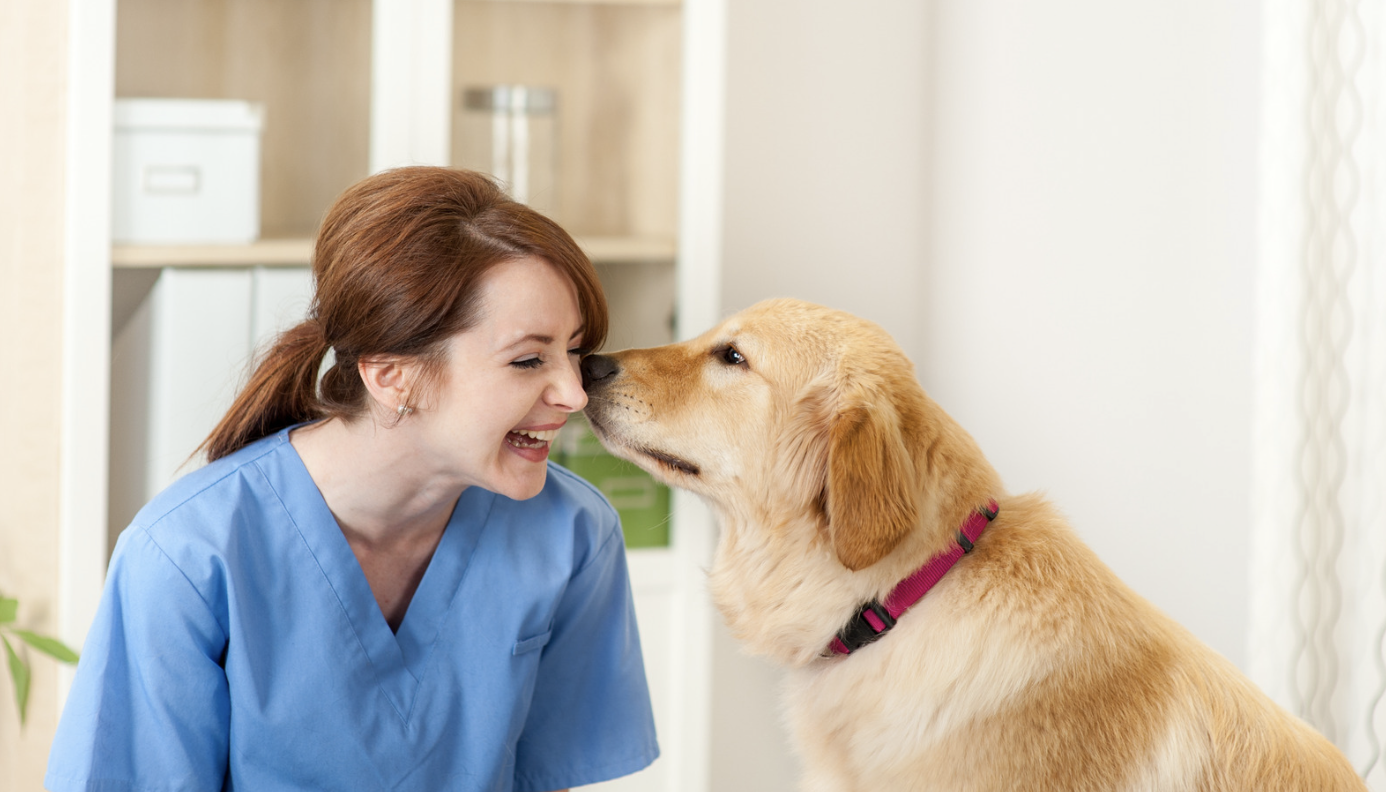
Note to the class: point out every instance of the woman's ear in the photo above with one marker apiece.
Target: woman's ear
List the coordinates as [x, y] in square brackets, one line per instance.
[872, 500]
[387, 380]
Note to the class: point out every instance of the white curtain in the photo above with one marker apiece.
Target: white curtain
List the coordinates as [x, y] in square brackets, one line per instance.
[1318, 576]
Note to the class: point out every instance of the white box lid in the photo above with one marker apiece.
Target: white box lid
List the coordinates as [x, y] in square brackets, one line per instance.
[189, 114]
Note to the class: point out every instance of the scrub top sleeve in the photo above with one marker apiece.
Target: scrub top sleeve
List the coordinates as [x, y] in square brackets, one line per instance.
[590, 718]
[149, 707]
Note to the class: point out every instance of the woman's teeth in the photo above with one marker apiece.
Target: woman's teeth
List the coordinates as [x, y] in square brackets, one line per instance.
[536, 439]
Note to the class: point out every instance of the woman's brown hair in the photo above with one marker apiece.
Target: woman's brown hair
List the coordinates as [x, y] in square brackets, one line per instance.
[396, 270]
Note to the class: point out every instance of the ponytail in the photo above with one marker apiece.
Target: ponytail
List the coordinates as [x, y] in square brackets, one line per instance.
[282, 391]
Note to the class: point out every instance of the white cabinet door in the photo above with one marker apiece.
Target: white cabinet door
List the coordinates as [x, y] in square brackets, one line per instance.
[279, 300]
[178, 363]
[199, 346]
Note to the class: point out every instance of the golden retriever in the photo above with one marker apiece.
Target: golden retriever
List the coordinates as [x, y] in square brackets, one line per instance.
[1028, 666]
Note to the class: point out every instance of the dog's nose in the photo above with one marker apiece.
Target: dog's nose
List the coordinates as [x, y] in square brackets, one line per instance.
[598, 368]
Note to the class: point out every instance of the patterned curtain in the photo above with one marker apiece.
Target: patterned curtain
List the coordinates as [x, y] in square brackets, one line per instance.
[1318, 555]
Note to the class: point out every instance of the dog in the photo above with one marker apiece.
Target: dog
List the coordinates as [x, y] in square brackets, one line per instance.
[940, 633]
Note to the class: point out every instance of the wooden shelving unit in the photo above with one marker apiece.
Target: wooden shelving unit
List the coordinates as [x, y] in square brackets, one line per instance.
[298, 253]
[643, 209]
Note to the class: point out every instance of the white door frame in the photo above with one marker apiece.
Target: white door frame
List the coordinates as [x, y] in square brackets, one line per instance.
[86, 324]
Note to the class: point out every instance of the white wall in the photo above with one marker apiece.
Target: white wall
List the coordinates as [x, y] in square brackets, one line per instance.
[826, 156]
[1051, 206]
[826, 200]
[1089, 296]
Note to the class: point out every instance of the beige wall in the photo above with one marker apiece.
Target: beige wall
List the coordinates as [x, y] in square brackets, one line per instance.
[32, 130]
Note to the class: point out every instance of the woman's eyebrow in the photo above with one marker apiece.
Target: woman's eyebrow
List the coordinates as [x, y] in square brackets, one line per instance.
[541, 338]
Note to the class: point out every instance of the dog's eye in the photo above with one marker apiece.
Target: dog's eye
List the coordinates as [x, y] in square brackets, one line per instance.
[730, 356]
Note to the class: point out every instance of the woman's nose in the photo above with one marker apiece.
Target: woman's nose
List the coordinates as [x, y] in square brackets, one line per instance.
[567, 392]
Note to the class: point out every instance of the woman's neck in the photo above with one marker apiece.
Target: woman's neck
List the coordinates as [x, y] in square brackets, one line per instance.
[392, 514]
[372, 481]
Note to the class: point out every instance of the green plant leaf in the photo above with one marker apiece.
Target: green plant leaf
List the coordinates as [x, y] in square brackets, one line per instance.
[8, 609]
[49, 646]
[19, 672]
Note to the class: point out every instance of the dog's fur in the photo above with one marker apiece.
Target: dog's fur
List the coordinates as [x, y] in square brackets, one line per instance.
[1029, 667]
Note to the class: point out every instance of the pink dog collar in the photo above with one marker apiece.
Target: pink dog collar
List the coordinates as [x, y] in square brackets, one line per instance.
[875, 620]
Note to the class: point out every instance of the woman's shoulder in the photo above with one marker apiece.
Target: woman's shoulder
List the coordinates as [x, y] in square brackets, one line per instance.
[205, 498]
[199, 529]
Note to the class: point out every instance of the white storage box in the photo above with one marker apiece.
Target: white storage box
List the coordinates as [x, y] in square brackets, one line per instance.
[186, 171]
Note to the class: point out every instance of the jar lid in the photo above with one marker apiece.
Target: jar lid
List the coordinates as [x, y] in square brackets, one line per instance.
[510, 98]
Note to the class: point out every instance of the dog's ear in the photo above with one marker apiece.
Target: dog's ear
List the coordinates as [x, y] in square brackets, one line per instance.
[872, 499]
[800, 460]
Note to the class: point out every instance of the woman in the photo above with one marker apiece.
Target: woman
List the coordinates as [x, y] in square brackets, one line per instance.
[379, 582]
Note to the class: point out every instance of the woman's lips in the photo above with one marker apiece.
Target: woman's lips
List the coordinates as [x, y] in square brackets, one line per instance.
[532, 444]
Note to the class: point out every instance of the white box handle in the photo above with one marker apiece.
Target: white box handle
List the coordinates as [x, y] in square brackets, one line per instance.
[172, 179]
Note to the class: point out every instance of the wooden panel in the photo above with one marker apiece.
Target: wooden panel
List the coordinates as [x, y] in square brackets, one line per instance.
[616, 71]
[34, 60]
[307, 60]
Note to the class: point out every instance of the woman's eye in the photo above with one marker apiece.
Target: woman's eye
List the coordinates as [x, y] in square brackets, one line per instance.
[528, 363]
[732, 357]
[576, 352]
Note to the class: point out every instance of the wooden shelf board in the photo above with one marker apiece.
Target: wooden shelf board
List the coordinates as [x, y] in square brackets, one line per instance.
[298, 253]
[263, 253]
[591, 2]
[628, 250]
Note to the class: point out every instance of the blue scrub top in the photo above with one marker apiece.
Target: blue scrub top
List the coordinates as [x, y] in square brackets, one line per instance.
[238, 646]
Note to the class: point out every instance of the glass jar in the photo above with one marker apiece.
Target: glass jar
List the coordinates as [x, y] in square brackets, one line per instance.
[511, 132]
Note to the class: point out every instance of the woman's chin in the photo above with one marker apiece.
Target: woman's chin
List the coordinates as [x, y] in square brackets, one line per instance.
[522, 484]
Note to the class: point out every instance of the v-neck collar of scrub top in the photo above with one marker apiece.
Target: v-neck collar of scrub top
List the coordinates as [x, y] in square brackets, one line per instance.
[400, 658]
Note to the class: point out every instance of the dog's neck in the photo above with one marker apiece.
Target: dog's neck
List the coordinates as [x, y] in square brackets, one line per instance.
[877, 617]
[777, 578]
[773, 595]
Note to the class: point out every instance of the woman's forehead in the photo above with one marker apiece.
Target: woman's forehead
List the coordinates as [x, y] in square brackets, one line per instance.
[528, 297]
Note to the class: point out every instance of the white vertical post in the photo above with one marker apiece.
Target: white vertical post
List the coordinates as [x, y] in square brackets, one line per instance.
[702, 133]
[411, 83]
[86, 320]
[699, 283]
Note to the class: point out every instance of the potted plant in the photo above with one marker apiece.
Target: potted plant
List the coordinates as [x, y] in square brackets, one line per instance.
[18, 660]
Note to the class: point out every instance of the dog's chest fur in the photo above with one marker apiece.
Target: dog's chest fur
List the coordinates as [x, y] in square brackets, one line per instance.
[915, 710]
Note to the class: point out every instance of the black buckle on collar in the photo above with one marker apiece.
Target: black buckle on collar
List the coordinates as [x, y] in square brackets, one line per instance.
[964, 543]
[859, 632]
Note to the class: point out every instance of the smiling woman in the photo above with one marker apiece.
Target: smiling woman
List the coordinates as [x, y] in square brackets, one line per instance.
[397, 266]
[380, 581]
